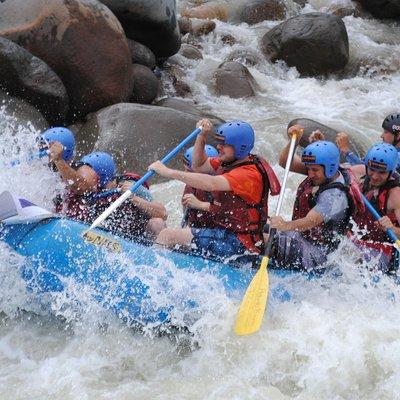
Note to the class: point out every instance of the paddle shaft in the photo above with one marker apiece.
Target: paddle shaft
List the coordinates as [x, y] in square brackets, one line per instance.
[272, 232]
[143, 179]
[376, 215]
[36, 156]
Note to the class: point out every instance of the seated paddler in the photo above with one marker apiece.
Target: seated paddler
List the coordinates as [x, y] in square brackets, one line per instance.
[324, 202]
[380, 184]
[240, 184]
[86, 181]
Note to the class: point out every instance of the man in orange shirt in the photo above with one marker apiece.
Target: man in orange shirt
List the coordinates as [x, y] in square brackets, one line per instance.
[240, 184]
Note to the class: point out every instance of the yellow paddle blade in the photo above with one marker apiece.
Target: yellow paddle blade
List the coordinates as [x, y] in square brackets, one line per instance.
[397, 244]
[252, 309]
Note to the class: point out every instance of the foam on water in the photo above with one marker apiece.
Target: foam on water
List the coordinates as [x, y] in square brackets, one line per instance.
[338, 338]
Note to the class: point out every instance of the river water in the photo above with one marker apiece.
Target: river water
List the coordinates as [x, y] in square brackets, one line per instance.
[339, 337]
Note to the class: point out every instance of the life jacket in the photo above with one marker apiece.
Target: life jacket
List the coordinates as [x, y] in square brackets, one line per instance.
[198, 218]
[235, 214]
[127, 220]
[327, 234]
[378, 198]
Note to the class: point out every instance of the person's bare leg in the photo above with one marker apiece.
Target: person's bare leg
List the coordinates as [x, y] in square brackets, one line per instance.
[171, 237]
[155, 226]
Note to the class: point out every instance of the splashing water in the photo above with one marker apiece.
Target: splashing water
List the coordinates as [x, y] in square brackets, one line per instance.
[338, 337]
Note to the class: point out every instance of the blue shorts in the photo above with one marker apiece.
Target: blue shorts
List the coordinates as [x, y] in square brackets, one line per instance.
[220, 244]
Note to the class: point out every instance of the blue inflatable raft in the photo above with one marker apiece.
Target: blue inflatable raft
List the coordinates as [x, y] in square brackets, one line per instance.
[60, 252]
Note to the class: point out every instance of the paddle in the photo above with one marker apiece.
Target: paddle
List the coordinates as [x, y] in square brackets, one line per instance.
[36, 156]
[376, 215]
[143, 179]
[251, 311]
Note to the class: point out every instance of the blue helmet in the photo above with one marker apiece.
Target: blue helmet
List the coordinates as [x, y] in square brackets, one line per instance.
[382, 157]
[210, 152]
[62, 135]
[238, 134]
[103, 164]
[322, 153]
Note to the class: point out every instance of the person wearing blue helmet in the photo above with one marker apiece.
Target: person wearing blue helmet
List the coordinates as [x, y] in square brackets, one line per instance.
[324, 202]
[381, 186]
[196, 202]
[390, 134]
[95, 173]
[240, 184]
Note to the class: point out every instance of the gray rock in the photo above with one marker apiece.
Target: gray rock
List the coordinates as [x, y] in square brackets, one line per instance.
[234, 80]
[24, 114]
[30, 78]
[314, 43]
[257, 11]
[141, 54]
[82, 41]
[189, 108]
[196, 26]
[356, 146]
[248, 57]
[191, 52]
[136, 134]
[145, 85]
[150, 22]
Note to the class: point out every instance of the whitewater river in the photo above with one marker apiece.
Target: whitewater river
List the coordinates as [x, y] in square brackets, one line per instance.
[339, 337]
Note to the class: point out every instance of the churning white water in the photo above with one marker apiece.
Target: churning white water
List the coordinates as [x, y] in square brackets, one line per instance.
[338, 338]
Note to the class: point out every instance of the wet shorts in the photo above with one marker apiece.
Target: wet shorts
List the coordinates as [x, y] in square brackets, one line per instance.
[292, 251]
[221, 244]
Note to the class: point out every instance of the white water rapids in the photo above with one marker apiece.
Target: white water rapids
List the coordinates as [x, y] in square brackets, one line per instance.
[339, 337]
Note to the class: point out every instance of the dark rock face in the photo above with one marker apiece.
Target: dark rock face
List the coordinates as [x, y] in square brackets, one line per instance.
[145, 85]
[82, 41]
[150, 22]
[257, 11]
[314, 43]
[141, 54]
[28, 77]
[234, 80]
[136, 134]
[382, 8]
[356, 146]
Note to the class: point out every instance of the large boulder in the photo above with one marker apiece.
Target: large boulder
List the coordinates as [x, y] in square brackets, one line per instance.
[382, 8]
[28, 77]
[314, 43]
[256, 11]
[234, 80]
[356, 145]
[189, 108]
[145, 85]
[23, 115]
[82, 41]
[150, 22]
[136, 134]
